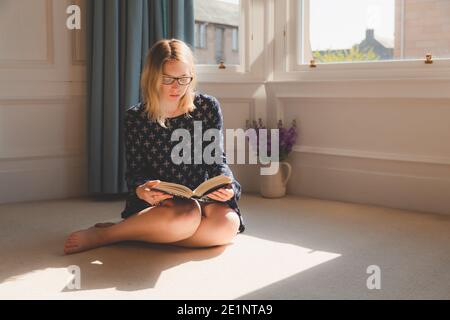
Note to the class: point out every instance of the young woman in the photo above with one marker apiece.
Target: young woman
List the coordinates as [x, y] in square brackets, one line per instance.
[169, 102]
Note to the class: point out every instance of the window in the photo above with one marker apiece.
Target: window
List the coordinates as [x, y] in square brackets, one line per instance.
[203, 35]
[219, 45]
[372, 30]
[217, 31]
[200, 35]
[235, 39]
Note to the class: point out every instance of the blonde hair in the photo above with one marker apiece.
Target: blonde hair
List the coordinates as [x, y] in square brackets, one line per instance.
[162, 51]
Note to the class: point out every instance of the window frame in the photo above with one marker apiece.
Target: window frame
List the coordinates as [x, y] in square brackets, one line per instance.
[393, 69]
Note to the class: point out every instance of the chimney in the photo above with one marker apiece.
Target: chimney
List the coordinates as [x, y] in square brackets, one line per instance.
[369, 34]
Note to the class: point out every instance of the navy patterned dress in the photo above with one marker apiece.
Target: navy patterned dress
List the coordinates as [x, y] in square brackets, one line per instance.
[148, 152]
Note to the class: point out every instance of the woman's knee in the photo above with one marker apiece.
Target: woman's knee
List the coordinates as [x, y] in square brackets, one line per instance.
[227, 227]
[223, 225]
[185, 217]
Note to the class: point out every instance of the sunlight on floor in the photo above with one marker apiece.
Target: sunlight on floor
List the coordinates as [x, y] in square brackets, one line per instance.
[252, 265]
[38, 284]
[245, 266]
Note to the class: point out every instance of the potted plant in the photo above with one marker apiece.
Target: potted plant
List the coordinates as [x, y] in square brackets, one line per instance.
[274, 186]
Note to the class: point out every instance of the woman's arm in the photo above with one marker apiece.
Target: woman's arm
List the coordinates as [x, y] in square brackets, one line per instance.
[215, 169]
[135, 174]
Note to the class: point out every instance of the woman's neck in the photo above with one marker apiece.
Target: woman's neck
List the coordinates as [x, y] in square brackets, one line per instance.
[171, 110]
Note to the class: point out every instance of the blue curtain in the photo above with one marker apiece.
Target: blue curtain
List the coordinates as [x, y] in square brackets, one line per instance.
[119, 34]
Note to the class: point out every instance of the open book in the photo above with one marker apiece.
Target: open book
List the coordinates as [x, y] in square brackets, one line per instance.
[200, 192]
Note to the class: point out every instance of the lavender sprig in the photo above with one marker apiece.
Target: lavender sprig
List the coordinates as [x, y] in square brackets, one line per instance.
[287, 138]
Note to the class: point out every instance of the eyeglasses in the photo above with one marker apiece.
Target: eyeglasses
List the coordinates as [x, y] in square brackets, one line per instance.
[182, 81]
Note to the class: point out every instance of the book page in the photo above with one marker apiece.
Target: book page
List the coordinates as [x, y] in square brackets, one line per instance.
[210, 184]
[174, 188]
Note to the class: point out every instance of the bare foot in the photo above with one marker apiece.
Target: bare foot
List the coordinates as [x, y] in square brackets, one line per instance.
[83, 240]
[104, 224]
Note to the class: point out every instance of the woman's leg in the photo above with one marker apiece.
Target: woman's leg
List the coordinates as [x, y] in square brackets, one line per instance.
[171, 221]
[219, 226]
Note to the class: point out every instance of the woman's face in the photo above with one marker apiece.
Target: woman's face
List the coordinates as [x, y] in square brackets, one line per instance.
[172, 93]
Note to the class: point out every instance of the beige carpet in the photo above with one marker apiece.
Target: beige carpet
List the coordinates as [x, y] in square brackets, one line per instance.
[293, 248]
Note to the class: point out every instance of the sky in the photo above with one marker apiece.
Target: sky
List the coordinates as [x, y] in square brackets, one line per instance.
[339, 24]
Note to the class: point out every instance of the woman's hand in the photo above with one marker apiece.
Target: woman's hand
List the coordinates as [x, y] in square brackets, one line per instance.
[153, 197]
[222, 195]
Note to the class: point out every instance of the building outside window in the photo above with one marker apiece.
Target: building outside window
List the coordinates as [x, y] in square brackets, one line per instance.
[217, 31]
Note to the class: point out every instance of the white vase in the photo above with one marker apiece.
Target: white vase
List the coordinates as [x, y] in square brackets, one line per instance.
[274, 186]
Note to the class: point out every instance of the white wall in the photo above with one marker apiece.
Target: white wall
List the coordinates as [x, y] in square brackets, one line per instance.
[42, 107]
[376, 142]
